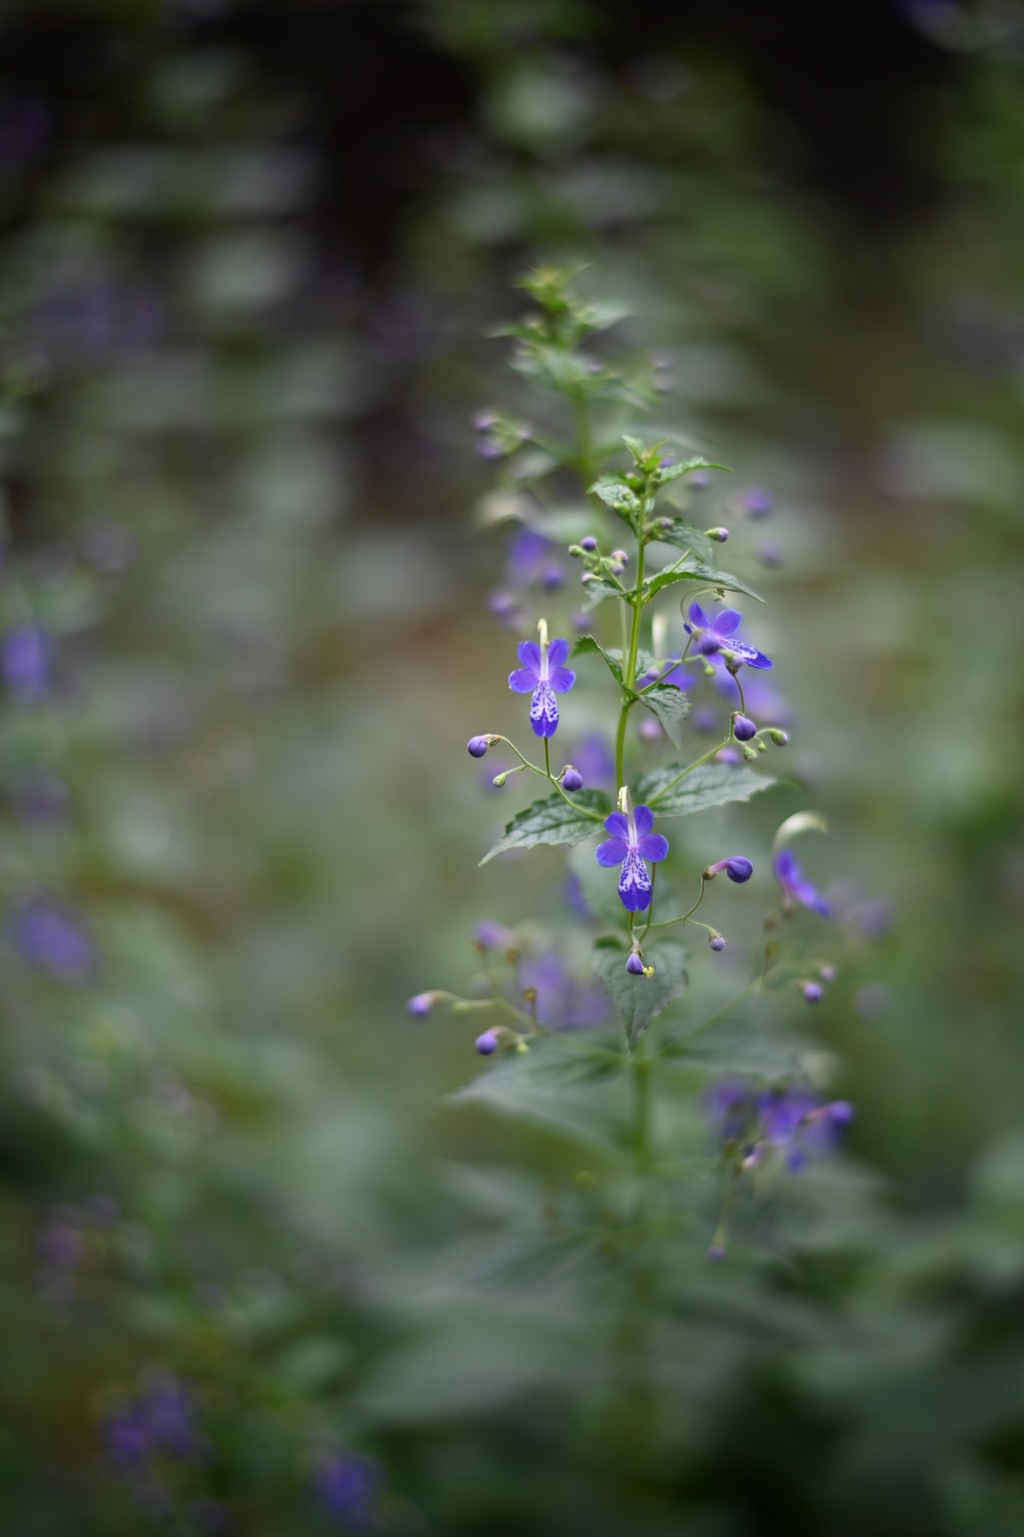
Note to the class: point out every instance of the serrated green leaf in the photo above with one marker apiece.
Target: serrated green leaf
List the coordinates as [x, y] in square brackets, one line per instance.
[709, 784]
[685, 467]
[562, 1082]
[700, 572]
[552, 821]
[641, 998]
[670, 706]
[586, 645]
[645, 661]
[686, 537]
[596, 592]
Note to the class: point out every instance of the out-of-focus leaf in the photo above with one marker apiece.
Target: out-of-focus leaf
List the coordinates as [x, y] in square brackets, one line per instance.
[641, 998]
[670, 706]
[573, 1082]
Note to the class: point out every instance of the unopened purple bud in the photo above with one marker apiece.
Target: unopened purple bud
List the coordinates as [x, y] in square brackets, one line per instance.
[813, 992]
[421, 1005]
[572, 779]
[484, 420]
[589, 544]
[620, 557]
[739, 869]
[717, 1253]
[840, 1112]
[477, 746]
[717, 943]
[635, 965]
[743, 728]
[758, 502]
[719, 535]
[487, 1044]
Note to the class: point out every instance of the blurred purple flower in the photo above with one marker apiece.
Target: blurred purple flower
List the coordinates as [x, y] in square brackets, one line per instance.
[793, 1120]
[159, 1420]
[347, 1485]
[26, 659]
[50, 939]
[790, 878]
[564, 1001]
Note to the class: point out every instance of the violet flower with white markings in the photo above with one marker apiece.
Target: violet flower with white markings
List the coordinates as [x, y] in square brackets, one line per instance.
[543, 674]
[631, 842]
[719, 634]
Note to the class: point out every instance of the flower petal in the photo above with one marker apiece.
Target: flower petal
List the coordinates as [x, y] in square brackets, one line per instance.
[698, 617]
[652, 846]
[643, 818]
[612, 853]
[618, 826]
[634, 883]
[523, 680]
[727, 622]
[529, 654]
[748, 654]
[543, 711]
[558, 654]
[562, 679]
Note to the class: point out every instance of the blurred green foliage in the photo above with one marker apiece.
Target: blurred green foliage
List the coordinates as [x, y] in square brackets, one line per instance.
[238, 482]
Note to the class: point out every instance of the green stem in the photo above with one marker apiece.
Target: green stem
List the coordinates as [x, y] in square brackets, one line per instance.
[691, 766]
[630, 674]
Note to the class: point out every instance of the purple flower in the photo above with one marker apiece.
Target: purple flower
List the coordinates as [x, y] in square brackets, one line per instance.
[813, 992]
[572, 779]
[421, 1004]
[757, 502]
[743, 728]
[635, 965]
[564, 1002]
[632, 842]
[51, 940]
[158, 1420]
[719, 634]
[543, 674]
[790, 878]
[347, 1485]
[25, 661]
[494, 936]
[487, 1043]
[796, 1120]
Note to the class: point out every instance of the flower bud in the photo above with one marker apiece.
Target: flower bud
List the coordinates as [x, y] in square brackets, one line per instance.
[750, 755]
[572, 779]
[499, 780]
[743, 728]
[589, 576]
[778, 736]
[420, 1005]
[635, 965]
[552, 579]
[827, 973]
[487, 1043]
[717, 943]
[478, 745]
[589, 543]
[813, 992]
[575, 550]
[719, 535]
[737, 867]
[620, 557]
[717, 1253]
[484, 420]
